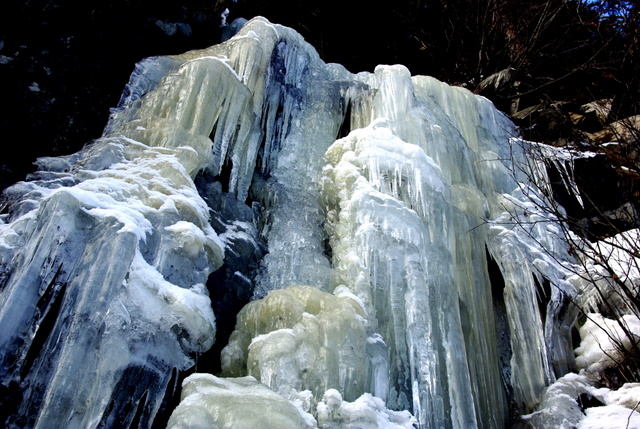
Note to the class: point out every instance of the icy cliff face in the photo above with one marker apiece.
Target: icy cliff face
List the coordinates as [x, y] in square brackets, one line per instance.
[390, 198]
[105, 257]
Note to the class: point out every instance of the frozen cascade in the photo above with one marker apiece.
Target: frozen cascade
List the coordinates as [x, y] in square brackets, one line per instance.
[362, 213]
[104, 263]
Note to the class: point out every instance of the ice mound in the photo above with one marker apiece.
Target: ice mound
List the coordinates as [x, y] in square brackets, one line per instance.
[210, 402]
[301, 338]
[574, 401]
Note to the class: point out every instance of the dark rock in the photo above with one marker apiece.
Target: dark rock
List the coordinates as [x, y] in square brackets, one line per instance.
[547, 123]
[586, 400]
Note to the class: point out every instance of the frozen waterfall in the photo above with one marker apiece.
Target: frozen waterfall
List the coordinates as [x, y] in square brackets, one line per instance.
[358, 225]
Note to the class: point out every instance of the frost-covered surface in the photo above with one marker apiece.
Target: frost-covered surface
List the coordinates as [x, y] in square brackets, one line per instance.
[574, 401]
[104, 259]
[621, 254]
[243, 403]
[366, 412]
[382, 192]
[602, 341]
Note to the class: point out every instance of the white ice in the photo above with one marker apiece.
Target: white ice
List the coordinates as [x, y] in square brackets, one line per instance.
[381, 192]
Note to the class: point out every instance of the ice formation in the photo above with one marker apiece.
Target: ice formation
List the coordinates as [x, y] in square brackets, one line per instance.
[563, 404]
[369, 217]
[243, 403]
[601, 340]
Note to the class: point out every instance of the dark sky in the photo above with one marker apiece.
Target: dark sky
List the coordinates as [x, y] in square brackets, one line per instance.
[64, 63]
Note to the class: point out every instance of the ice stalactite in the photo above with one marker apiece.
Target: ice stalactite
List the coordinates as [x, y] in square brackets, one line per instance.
[405, 239]
[355, 210]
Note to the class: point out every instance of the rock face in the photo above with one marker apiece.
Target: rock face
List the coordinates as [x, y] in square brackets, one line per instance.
[381, 193]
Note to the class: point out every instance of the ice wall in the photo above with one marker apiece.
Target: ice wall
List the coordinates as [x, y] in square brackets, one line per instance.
[389, 197]
[105, 256]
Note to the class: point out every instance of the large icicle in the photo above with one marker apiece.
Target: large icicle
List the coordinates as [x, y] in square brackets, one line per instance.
[392, 258]
[404, 232]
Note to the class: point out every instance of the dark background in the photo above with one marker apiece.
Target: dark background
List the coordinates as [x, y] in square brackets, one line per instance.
[64, 63]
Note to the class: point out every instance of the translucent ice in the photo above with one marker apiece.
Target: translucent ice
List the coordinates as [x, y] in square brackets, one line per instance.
[397, 200]
[104, 259]
[243, 403]
[301, 338]
[212, 402]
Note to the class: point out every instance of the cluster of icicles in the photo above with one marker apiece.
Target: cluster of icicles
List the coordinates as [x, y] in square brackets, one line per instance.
[367, 216]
